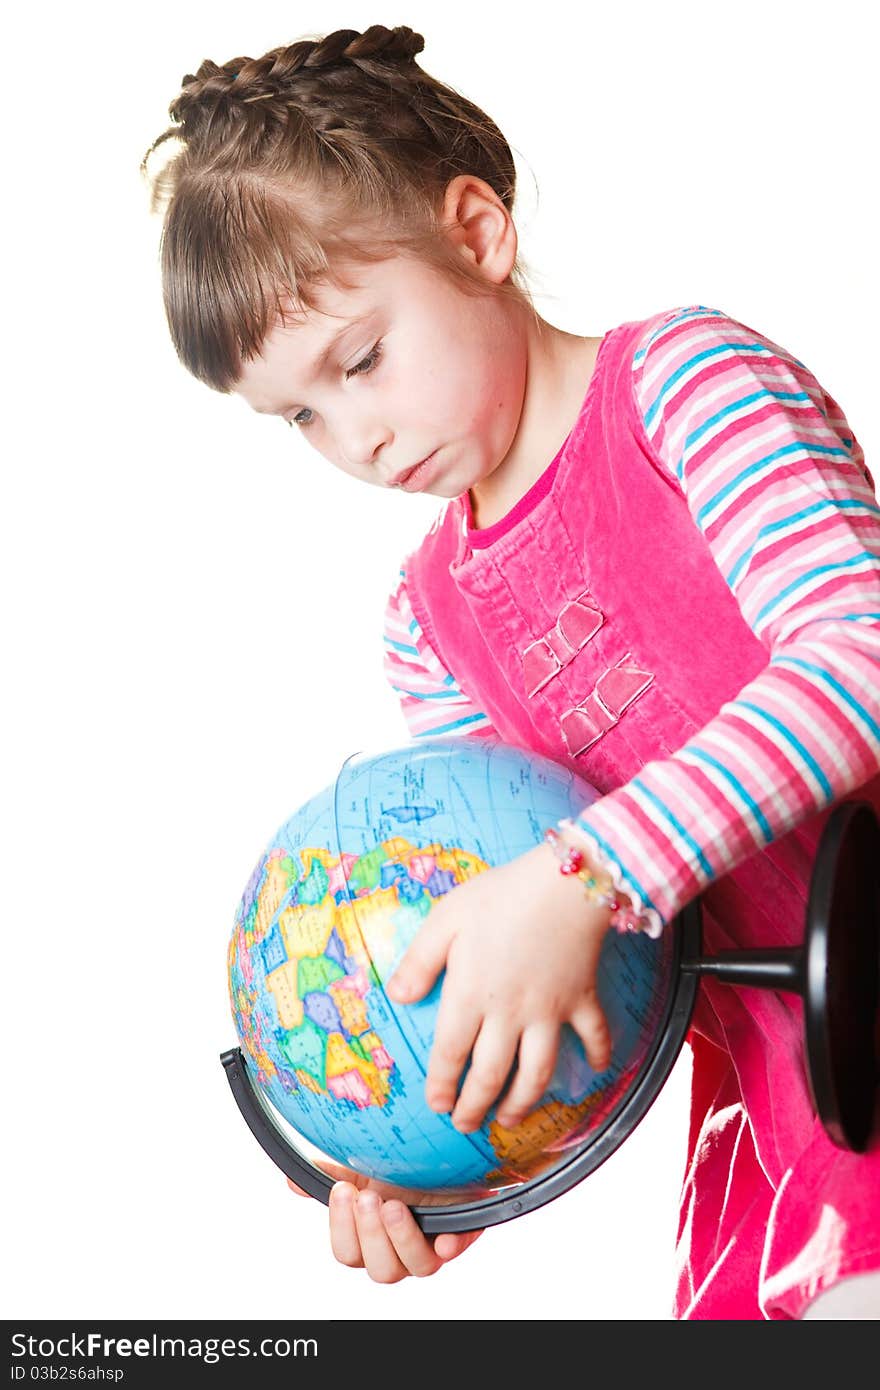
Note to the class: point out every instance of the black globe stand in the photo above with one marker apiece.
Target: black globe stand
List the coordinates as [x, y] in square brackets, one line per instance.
[268, 1132]
[836, 971]
[439, 1212]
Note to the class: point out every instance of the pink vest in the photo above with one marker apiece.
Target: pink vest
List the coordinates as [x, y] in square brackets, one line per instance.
[593, 626]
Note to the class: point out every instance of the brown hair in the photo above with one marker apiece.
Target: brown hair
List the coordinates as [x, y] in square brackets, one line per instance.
[329, 149]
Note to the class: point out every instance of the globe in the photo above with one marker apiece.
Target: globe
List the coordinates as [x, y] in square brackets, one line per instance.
[333, 903]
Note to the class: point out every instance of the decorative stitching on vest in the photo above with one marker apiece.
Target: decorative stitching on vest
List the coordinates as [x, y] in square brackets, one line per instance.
[614, 691]
[578, 621]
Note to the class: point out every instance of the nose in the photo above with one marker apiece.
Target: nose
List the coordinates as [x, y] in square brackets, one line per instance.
[361, 443]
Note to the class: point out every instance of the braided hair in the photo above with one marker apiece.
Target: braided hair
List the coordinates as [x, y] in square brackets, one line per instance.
[331, 149]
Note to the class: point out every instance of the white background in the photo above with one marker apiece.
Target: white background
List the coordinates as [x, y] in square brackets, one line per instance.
[193, 601]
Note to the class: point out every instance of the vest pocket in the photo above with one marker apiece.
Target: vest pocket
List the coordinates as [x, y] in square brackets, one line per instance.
[614, 691]
[575, 624]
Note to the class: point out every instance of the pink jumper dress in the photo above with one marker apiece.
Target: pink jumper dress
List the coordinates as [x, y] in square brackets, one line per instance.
[603, 550]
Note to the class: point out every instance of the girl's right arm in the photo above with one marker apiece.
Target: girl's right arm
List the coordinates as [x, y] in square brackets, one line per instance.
[431, 700]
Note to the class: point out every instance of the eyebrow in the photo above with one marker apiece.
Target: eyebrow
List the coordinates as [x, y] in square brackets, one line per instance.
[321, 361]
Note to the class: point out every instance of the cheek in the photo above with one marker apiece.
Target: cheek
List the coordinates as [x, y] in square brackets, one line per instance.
[463, 389]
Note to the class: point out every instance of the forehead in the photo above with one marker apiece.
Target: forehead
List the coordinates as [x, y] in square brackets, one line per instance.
[295, 343]
[291, 353]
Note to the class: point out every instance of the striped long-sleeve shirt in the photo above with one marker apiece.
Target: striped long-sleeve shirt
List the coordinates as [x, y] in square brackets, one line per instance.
[776, 482]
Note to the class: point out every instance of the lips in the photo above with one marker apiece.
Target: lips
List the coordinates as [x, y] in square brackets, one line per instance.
[413, 478]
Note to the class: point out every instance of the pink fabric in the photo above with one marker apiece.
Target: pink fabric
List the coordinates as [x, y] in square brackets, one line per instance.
[578, 621]
[480, 539]
[771, 1211]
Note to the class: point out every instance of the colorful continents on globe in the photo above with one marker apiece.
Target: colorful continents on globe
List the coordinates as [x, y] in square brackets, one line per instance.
[327, 914]
[317, 968]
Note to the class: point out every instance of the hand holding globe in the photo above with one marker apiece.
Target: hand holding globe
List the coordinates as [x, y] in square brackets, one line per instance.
[389, 1111]
[372, 1227]
[347, 886]
[507, 988]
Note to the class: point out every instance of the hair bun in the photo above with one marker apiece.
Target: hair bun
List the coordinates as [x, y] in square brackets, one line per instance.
[401, 43]
[378, 43]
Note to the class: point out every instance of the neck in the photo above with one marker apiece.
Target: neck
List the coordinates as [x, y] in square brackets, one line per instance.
[559, 366]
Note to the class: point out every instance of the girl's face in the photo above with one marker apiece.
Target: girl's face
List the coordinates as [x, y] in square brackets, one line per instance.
[404, 381]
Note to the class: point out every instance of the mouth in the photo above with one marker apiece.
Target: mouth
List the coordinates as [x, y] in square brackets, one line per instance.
[414, 478]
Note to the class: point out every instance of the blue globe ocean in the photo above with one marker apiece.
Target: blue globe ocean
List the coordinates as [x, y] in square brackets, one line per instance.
[329, 910]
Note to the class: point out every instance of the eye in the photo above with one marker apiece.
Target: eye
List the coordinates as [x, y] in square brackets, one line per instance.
[367, 364]
[363, 368]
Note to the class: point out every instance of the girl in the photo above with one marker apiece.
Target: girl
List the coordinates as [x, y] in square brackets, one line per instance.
[658, 563]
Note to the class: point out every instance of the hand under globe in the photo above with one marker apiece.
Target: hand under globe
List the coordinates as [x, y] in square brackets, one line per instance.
[332, 905]
[330, 1072]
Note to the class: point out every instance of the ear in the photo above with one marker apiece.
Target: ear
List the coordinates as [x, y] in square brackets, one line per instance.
[478, 223]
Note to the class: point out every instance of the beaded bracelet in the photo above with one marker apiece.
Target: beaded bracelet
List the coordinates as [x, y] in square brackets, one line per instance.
[599, 889]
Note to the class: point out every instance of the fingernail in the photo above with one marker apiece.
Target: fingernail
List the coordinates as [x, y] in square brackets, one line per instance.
[393, 1213]
[398, 987]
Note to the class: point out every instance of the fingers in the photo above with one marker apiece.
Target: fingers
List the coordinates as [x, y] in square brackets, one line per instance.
[381, 1237]
[494, 1053]
[538, 1050]
[590, 1024]
[412, 1248]
[424, 960]
[452, 1244]
[455, 1033]
[344, 1240]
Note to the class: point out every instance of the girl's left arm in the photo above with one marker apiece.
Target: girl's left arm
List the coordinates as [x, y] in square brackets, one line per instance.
[776, 482]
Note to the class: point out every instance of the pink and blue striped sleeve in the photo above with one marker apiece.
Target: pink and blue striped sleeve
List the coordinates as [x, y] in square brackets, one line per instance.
[431, 702]
[776, 482]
